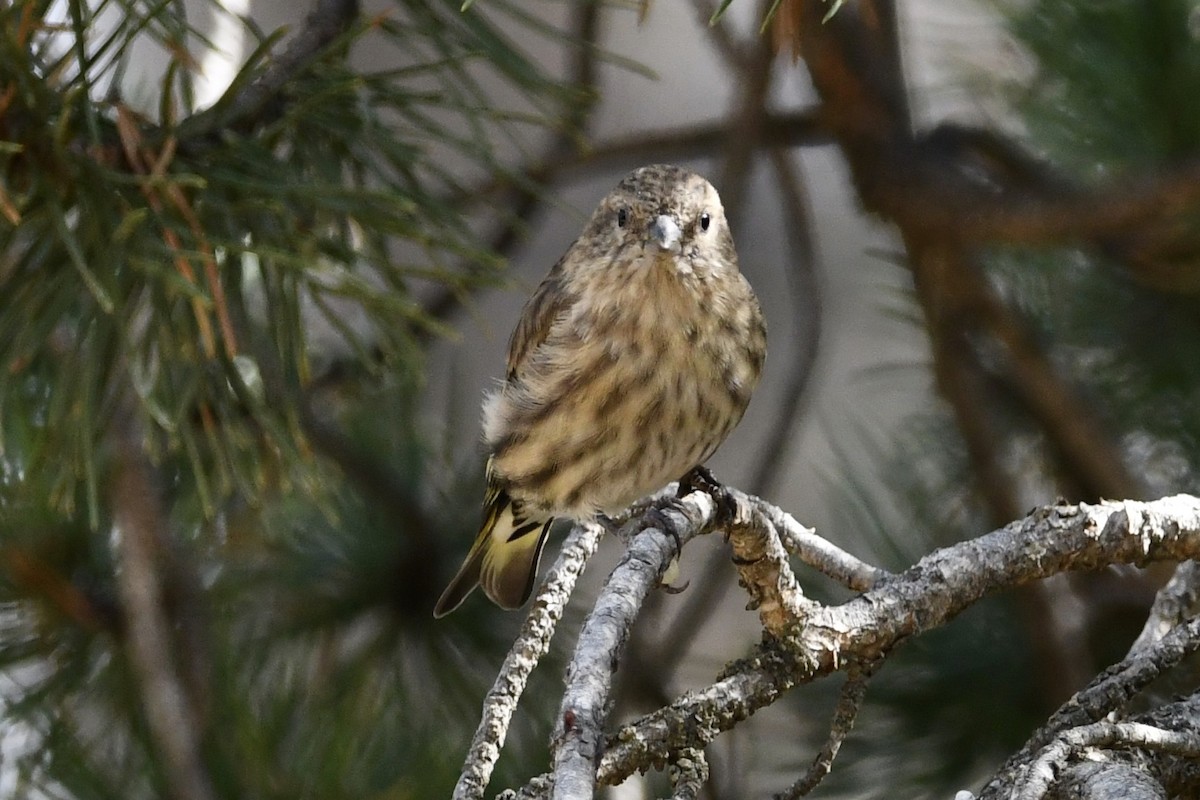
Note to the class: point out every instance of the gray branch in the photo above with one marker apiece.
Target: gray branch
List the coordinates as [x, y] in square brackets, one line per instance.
[1049, 541]
[689, 772]
[580, 736]
[1106, 694]
[814, 551]
[1177, 601]
[1108, 780]
[532, 643]
[811, 640]
[850, 700]
[1105, 736]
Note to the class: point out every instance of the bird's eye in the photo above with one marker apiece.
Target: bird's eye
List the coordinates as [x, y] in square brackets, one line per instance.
[622, 217]
[705, 221]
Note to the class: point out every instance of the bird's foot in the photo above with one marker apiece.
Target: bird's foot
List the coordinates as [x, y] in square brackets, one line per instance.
[656, 518]
[700, 479]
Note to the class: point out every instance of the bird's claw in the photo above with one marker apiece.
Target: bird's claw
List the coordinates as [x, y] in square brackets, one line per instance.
[700, 479]
[658, 519]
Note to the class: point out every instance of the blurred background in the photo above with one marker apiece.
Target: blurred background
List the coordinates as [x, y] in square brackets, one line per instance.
[257, 269]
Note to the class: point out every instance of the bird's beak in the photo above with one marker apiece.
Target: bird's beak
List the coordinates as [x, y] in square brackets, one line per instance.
[665, 231]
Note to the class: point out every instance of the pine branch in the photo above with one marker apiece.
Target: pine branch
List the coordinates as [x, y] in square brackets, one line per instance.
[1174, 604]
[532, 643]
[579, 736]
[821, 640]
[1107, 694]
[850, 700]
[261, 101]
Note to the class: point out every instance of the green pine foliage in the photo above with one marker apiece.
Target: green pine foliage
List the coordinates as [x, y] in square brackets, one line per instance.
[1114, 91]
[240, 276]
[186, 256]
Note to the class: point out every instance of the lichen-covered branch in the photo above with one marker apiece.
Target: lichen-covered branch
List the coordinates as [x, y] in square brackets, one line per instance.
[805, 640]
[585, 704]
[1108, 693]
[850, 700]
[1049, 541]
[689, 771]
[1102, 735]
[532, 643]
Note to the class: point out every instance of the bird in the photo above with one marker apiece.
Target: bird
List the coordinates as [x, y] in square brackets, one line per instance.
[630, 364]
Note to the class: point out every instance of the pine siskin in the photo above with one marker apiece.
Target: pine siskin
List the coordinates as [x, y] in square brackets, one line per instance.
[631, 363]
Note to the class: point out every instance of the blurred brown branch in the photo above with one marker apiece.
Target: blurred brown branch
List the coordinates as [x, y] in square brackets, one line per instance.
[953, 192]
[172, 708]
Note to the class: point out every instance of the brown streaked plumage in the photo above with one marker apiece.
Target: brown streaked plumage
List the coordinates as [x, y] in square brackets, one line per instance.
[631, 363]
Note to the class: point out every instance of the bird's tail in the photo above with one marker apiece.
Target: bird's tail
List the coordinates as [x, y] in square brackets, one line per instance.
[504, 558]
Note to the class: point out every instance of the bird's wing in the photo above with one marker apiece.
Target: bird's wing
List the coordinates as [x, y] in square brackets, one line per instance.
[549, 299]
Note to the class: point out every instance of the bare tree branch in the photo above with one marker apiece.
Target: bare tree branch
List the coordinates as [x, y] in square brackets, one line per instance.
[813, 550]
[1108, 780]
[1050, 540]
[1174, 603]
[764, 571]
[585, 705]
[1108, 693]
[1101, 735]
[850, 700]
[532, 643]
[867, 628]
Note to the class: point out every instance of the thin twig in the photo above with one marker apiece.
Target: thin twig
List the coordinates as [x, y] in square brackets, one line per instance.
[786, 129]
[689, 773]
[813, 550]
[1173, 604]
[850, 700]
[532, 643]
[579, 733]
